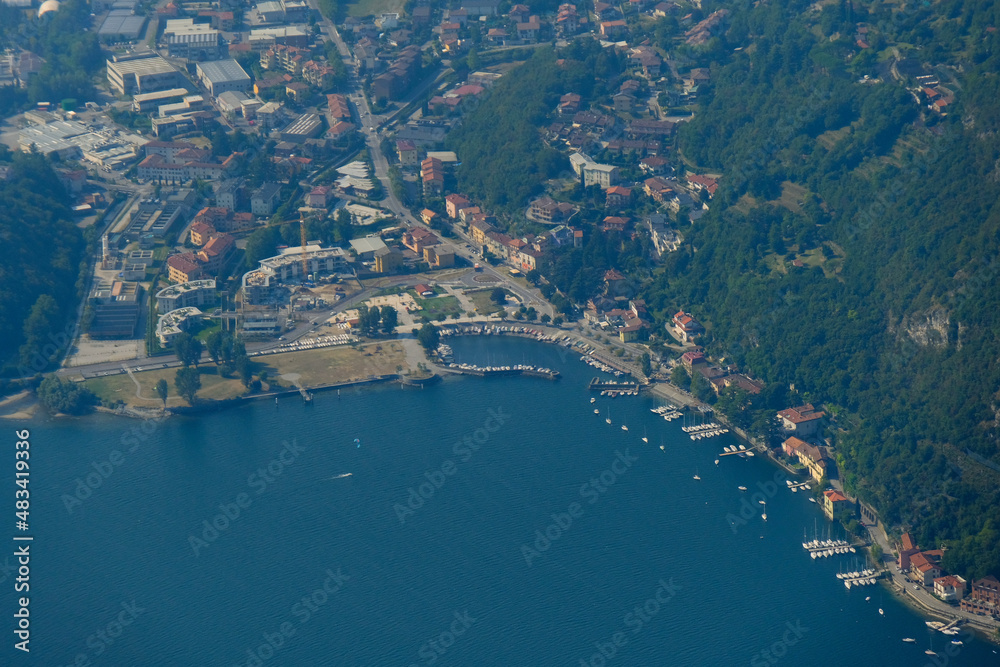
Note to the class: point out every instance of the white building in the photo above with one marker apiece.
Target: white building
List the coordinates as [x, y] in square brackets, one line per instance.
[220, 76]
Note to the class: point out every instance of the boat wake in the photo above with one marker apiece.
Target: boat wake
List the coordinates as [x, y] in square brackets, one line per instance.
[346, 474]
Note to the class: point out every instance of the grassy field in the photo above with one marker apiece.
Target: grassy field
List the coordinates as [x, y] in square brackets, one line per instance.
[434, 306]
[374, 7]
[486, 307]
[313, 368]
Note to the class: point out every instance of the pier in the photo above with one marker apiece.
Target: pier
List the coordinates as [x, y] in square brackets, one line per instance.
[499, 371]
[597, 384]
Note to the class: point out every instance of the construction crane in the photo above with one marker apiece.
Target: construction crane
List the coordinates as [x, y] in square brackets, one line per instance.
[305, 254]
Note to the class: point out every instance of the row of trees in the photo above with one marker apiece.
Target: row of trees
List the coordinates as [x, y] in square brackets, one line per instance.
[372, 321]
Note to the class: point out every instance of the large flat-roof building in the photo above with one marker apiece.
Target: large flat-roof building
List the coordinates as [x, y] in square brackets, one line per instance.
[116, 309]
[188, 39]
[148, 102]
[220, 76]
[122, 25]
[143, 75]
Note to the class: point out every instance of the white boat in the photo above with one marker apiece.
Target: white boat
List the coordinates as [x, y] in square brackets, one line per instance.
[644, 436]
[762, 502]
[811, 499]
[596, 411]
[716, 461]
[909, 640]
[880, 612]
[937, 625]
[869, 598]
[661, 447]
[794, 490]
[593, 400]
[624, 427]
[749, 453]
[742, 488]
[764, 516]
[930, 652]
[847, 585]
[608, 420]
[697, 477]
[956, 642]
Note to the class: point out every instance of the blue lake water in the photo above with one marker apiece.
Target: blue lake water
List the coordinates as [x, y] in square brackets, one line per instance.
[323, 569]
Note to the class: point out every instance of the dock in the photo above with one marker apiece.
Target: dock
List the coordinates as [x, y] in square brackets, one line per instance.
[597, 384]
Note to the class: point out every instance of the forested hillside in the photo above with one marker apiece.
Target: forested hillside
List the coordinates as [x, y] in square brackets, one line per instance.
[853, 247]
[901, 328]
[42, 252]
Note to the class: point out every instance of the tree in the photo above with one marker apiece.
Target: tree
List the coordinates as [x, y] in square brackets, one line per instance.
[498, 296]
[545, 318]
[390, 319]
[187, 348]
[533, 277]
[429, 337]
[214, 344]
[245, 369]
[647, 364]
[162, 390]
[680, 378]
[64, 397]
[187, 382]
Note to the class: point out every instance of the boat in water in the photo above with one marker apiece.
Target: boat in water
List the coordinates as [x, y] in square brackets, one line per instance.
[608, 420]
[811, 499]
[716, 461]
[596, 411]
[880, 612]
[624, 427]
[909, 640]
[956, 642]
[593, 400]
[645, 436]
[742, 488]
[930, 652]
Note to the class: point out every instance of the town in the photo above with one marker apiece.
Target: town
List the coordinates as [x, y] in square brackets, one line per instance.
[281, 185]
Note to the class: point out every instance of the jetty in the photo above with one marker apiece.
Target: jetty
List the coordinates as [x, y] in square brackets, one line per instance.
[499, 371]
[597, 384]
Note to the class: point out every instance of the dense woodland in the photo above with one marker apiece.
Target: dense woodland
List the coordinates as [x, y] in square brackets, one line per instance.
[72, 56]
[43, 251]
[892, 319]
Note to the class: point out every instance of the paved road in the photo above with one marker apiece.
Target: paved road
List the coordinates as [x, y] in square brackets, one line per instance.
[920, 594]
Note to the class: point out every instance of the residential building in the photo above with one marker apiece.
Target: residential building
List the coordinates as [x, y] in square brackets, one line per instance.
[815, 459]
[547, 210]
[418, 238]
[925, 568]
[686, 327]
[803, 420]
[455, 203]
[231, 194]
[835, 502]
[201, 233]
[407, 153]
[984, 597]
[387, 260]
[604, 175]
[183, 268]
[264, 200]
[432, 175]
[438, 258]
[170, 325]
[217, 253]
[197, 293]
[950, 588]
